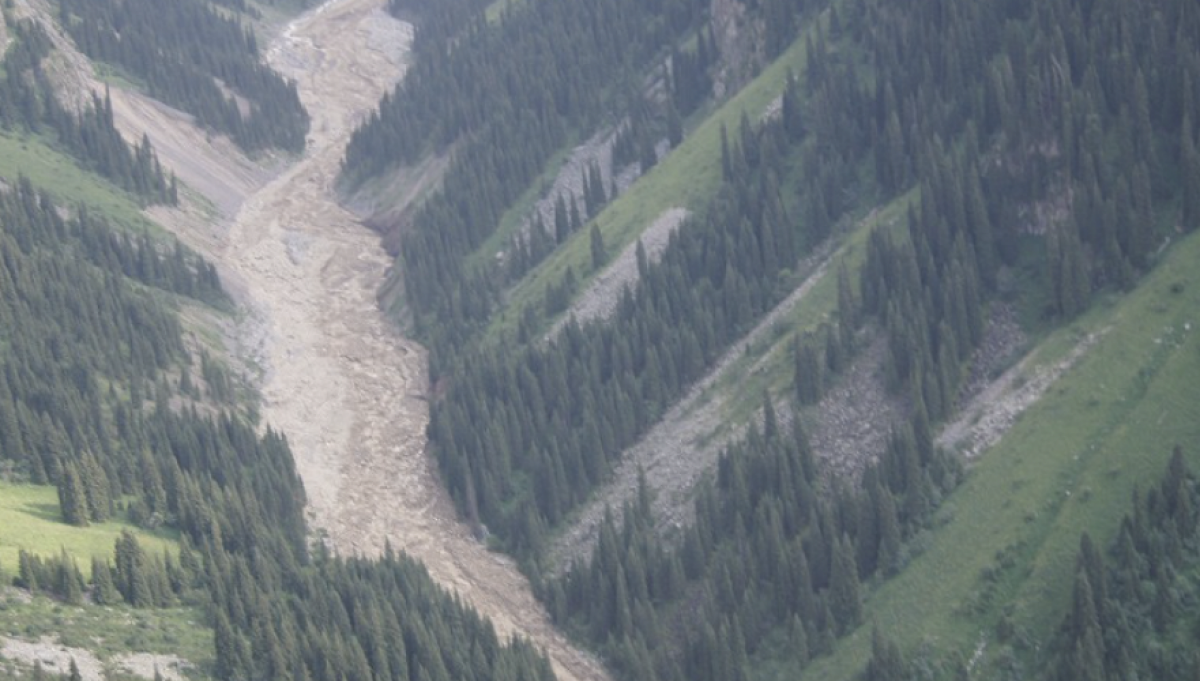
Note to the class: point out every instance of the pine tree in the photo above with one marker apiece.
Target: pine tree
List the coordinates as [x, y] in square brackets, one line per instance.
[562, 222]
[70, 582]
[72, 497]
[599, 255]
[1190, 177]
[886, 663]
[96, 489]
[889, 534]
[104, 591]
[844, 598]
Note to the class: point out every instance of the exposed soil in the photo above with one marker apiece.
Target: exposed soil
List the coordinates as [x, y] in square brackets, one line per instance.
[568, 183]
[56, 659]
[170, 667]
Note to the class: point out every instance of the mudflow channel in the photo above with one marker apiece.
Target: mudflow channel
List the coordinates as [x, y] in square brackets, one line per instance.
[339, 381]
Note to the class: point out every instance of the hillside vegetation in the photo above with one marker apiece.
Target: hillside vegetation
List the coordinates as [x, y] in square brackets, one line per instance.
[31, 521]
[1038, 157]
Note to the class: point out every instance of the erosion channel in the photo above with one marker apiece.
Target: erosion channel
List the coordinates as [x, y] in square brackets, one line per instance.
[339, 380]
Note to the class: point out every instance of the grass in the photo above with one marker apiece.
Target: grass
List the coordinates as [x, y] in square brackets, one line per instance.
[58, 173]
[1006, 539]
[686, 178]
[496, 10]
[110, 631]
[30, 519]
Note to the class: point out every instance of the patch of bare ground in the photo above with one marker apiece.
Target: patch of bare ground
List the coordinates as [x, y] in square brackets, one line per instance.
[147, 665]
[54, 657]
[851, 424]
[603, 294]
[210, 164]
[392, 200]
[994, 409]
[337, 379]
[680, 448]
[1003, 341]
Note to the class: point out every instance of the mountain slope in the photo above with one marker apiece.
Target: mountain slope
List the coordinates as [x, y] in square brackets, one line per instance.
[1035, 174]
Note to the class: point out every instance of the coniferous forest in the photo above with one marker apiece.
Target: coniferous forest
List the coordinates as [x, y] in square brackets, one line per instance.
[103, 397]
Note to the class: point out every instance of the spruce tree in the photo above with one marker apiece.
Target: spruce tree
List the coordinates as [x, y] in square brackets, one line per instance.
[72, 497]
[845, 601]
[599, 255]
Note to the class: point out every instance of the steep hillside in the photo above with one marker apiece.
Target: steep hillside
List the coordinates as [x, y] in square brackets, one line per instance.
[885, 233]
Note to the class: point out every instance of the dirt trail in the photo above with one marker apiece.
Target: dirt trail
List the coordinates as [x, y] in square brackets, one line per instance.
[344, 387]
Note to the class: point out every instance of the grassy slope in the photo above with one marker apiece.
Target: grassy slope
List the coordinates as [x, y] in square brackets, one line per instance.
[1068, 465]
[30, 519]
[685, 178]
[70, 185]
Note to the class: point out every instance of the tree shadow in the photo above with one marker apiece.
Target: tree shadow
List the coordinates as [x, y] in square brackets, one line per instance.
[45, 511]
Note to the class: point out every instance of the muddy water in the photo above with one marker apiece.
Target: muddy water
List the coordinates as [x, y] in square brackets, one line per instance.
[339, 381]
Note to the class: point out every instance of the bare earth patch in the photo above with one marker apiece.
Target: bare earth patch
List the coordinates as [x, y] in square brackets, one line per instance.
[145, 665]
[55, 658]
[211, 164]
[988, 416]
[598, 150]
[853, 421]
